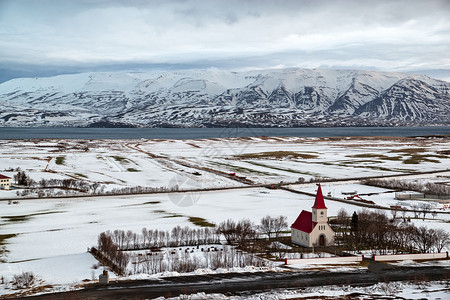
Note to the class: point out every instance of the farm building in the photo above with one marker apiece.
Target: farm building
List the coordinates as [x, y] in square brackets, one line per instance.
[5, 182]
[312, 228]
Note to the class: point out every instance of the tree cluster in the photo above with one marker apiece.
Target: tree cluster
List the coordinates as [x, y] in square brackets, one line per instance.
[110, 250]
[21, 178]
[241, 235]
[273, 225]
[188, 260]
[141, 189]
[178, 236]
[46, 187]
[239, 232]
[375, 231]
[427, 188]
[73, 184]
[113, 243]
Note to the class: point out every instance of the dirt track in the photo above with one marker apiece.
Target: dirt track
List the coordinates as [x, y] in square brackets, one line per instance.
[249, 283]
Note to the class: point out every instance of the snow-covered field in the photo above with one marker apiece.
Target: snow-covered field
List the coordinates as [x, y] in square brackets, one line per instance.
[50, 237]
[120, 163]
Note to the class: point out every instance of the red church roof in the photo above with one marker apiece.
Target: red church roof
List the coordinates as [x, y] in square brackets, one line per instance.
[4, 177]
[319, 203]
[304, 222]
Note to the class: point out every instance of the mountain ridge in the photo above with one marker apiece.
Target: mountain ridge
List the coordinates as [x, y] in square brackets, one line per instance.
[217, 98]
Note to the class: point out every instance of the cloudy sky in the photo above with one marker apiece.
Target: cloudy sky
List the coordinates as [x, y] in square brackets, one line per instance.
[48, 37]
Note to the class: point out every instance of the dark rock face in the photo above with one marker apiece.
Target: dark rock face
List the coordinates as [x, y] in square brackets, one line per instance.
[409, 100]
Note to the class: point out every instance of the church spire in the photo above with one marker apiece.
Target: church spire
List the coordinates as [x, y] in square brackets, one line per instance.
[319, 203]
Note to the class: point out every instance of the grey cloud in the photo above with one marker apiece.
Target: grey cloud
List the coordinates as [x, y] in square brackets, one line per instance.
[92, 33]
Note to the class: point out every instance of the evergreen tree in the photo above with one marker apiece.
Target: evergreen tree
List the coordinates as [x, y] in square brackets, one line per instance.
[21, 178]
[354, 222]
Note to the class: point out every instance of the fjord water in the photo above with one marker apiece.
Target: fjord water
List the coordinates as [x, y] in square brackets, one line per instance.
[199, 133]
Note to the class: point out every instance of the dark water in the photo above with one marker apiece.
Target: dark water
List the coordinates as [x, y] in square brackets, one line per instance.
[198, 133]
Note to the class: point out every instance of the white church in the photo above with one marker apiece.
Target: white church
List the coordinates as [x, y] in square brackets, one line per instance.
[312, 228]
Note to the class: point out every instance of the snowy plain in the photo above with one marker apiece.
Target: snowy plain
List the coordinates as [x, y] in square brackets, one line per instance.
[50, 237]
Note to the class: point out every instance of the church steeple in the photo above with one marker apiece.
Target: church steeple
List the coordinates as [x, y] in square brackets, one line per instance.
[319, 203]
[319, 210]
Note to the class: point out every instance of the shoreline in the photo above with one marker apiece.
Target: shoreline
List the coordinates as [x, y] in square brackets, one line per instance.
[25, 133]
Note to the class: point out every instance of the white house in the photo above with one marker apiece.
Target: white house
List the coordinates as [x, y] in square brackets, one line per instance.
[312, 228]
[5, 182]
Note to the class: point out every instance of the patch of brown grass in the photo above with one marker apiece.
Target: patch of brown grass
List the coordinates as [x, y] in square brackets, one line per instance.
[374, 155]
[277, 155]
[417, 159]
[444, 152]
[201, 222]
[409, 150]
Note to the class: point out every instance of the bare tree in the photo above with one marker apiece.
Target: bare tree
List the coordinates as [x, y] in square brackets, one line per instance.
[404, 215]
[43, 183]
[424, 239]
[245, 231]
[271, 225]
[279, 225]
[434, 214]
[105, 243]
[144, 237]
[266, 226]
[441, 239]
[342, 217]
[129, 238]
[394, 212]
[176, 235]
[94, 187]
[228, 229]
[426, 208]
[24, 280]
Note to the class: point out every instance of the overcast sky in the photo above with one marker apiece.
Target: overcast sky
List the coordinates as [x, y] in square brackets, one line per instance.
[47, 37]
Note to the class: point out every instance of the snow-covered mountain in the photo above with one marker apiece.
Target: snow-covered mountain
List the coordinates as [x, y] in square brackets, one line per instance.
[282, 97]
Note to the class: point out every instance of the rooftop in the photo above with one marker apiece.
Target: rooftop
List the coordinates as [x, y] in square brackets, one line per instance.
[304, 222]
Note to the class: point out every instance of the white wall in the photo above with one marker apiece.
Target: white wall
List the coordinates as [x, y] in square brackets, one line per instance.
[328, 232]
[395, 257]
[296, 237]
[323, 260]
[5, 184]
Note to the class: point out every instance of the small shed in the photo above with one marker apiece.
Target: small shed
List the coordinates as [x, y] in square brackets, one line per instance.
[103, 278]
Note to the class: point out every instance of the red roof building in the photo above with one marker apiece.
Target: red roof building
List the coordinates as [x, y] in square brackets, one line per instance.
[5, 182]
[312, 228]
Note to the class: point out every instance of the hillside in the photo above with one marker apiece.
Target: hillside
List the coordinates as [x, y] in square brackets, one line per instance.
[216, 98]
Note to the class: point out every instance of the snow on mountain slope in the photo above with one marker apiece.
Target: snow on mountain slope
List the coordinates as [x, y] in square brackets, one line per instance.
[281, 97]
[409, 99]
